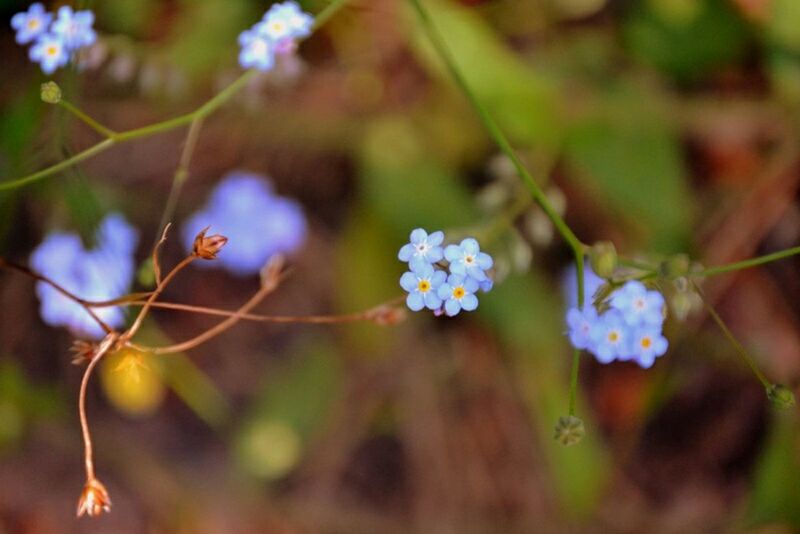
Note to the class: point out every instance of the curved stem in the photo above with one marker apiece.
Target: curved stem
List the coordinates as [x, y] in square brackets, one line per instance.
[746, 264]
[87, 438]
[89, 121]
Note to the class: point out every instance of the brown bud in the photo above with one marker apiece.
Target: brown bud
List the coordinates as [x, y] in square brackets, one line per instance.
[94, 499]
[208, 247]
[83, 351]
[387, 315]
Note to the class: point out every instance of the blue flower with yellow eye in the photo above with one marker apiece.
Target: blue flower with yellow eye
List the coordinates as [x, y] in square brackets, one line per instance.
[422, 286]
[638, 305]
[580, 324]
[458, 293]
[610, 337]
[257, 51]
[646, 344]
[49, 52]
[422, 249]
[286, 21]
[31, 24]
[467, 259]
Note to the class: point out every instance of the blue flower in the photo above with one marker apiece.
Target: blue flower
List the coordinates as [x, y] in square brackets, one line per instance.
[591, 283]
[74, 28]
[50, 52]
[257, 51]
[422, 286]
[638, 305]
[580, 325]
[423, 249]
[286, 20]
[610, 337]
[467, 259]
[31, 24]
[102, 273]
[647, 344]
[257, 222]
[458, 293]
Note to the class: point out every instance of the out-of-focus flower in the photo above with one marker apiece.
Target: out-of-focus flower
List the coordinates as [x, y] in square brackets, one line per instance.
[591, 283]
[30, 24]
[638, 305]
[422, 286]
[257, 222]
[74, 28]
[49, 52]
[276, 33]
[467, 259]
[423, 249]
[103, 273]
[580, 325]
[94, 499]
[458, 293]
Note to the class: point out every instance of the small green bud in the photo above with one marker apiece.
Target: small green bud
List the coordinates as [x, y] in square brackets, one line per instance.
[676, 266]
[603, 259]
[780, 396]
[51, 93]
[569, 430]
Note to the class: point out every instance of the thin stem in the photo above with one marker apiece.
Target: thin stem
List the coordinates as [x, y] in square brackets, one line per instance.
[746, 264]
[104, 347]
[735, 342]
[271, 280]
[494, 130]
[154, 295]
[93, 124]
[329, 11]
[576, 353]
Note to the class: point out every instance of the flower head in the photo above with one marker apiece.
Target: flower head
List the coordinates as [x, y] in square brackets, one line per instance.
[74, 28]
[31, 24]
[257, 222]
[422, 286]
[286, 20]
[580, 325]
[94, 499]
[458, 293]
[50, 52]
[423, 249]
[638, 305]
[610, 337]
[646, 344]
[103, 273]
[467, 259]
[257, 51]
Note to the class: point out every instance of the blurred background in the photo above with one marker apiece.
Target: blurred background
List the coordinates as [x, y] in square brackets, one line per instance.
[663, 125]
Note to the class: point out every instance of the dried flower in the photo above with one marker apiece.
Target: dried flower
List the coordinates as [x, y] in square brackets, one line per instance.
[94, 499]
[83, 351]
[208, 247]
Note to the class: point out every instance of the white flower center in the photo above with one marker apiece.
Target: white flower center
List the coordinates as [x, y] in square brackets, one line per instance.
[422, 248]
[639, 304]
[469, 259]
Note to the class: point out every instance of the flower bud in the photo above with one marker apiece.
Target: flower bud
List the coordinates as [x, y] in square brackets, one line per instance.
[569, 430]
[387, 315]
[208, 247]
[94, 499]
[603, 258]
[780, 396]
[50, 93]
[675, 266]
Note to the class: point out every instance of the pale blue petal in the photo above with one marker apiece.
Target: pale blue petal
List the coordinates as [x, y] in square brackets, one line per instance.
[469, 302]
[476, 273]
[435, 239]
[415, 302]
[406, 252]
[457, 267]
[470, 246]
[432, 301]
[452, 307]
[453, 253]
[408, 281]
[444, 291]
[418, 236]
[471, 285]
[438, 279]
[484, 261]
[435, 254]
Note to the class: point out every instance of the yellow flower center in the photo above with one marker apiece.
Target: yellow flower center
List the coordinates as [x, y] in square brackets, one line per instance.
[52, 50]
[277, 26]
[613, 336]
[646, 342]
[424, 286]
[33, 24]
[459, 292]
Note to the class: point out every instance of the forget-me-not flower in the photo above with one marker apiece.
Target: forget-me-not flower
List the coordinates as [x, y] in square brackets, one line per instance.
[423, 249]
[30, 24]
[286, 20]
[102, 273]
[591, 283]
[277, 33]
[580, 325]
[74, 28]
[257, 222]
[49, 52]
[467, 259]
[610, 337]
[458, 293]
[646, 344]
[257, 52]
[422, 286]
[638, 305]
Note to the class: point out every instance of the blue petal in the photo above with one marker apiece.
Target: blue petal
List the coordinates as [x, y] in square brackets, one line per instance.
[419, 264]
[406, 252]
[435, 254]
[444, 291]
[408, 281]
[453, 253]
[435, 239]
[476, 273]
[469, 302]
[438, 279]
[418, 236]
[470, 246]
[457, 268]
[471, 285]
[432, 301]
[455, 279]
[452, 307]
[484, 261]
[415, 302]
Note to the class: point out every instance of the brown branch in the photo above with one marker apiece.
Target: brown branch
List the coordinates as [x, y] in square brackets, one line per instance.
[156, 249]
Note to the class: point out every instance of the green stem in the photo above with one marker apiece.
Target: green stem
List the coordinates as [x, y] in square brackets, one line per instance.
[93, 124]
[735, 342]
[502, 142]
[329, 11]
[752, 262]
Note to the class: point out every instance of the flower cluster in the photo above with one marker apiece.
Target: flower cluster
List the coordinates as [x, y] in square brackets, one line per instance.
[274, 35]
[54, 40]
[103, 273]
[629, 330]
[258, 223]
[432, 288]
